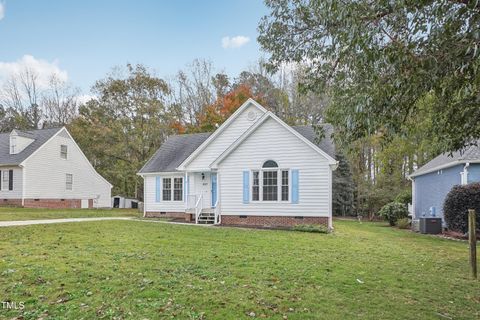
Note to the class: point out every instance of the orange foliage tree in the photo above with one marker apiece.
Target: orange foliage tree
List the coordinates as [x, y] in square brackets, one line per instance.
[223, 107]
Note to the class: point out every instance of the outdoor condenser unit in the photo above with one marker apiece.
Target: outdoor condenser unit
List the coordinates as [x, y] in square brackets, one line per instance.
[430, 225]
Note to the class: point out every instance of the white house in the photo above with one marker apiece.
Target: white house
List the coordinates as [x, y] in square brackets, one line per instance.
[253, 170]
[46, 169]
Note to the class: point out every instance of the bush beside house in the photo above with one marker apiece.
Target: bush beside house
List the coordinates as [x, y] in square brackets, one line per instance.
[393, 211]
[457, 203]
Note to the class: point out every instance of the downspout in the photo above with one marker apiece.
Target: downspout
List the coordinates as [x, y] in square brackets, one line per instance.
[144, 197]
[23, 185]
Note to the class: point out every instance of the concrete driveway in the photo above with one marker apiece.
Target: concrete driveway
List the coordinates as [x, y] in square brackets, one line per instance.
[50, 221]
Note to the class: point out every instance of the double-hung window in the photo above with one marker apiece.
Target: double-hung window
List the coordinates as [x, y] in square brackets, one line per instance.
[69, 181]
[167, 189]
[270, 183]
[63, 151]
[177, 189]
[5, 179]
[172, 189]
[285, 185]
[256, 186]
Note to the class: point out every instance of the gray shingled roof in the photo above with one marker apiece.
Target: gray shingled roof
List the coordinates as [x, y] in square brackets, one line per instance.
[177, 148]
[40, 136]
[173, 152]
[444, 160]
[326, 144]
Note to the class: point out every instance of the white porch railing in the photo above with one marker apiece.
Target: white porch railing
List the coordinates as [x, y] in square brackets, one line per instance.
[217, 213]
[198, 208]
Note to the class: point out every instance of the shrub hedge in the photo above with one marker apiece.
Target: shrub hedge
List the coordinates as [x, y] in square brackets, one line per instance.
[315, 228]
[457, 203]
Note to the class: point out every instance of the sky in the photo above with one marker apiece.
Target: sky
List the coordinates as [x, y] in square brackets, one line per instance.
[82, 41]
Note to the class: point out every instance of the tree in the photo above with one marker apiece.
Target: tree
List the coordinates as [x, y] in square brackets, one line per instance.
[342, 188]
[20, 97]
[122, 128]
[378, 59]
[223, 107]
[194, 88]
[60, 102]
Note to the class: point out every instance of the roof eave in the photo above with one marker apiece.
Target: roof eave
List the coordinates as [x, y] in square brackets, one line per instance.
[444, 166]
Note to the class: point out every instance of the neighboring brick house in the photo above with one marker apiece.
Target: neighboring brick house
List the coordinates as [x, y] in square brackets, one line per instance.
[46, 169]
[253, 170]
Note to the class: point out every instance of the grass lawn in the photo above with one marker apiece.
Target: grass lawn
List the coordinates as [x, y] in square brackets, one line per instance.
[142, 270]
[10, 214]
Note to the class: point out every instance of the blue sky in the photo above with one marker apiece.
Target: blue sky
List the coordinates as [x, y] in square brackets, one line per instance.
[85, 39]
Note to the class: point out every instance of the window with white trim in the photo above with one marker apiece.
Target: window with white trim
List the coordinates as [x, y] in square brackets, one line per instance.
[69, 181]
[256, 186]
[63, 151]
[285, 185]
[167, 189]
[172, 189]
[270, 183]
[177, 189]
[5, 179]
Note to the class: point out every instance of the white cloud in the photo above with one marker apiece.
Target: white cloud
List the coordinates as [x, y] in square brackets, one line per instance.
[2, 10]
[234, 42]
[44, 69]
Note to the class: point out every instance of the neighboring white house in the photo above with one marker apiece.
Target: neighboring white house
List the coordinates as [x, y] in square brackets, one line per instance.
[47, 169]
[253, 170]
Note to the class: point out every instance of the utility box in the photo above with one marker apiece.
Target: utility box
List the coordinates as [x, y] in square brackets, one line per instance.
[431, 225]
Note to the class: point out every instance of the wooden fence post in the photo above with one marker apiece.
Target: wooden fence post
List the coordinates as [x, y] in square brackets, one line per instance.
[472, 239]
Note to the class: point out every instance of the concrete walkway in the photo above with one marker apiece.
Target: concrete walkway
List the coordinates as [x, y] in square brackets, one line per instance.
[50, 221]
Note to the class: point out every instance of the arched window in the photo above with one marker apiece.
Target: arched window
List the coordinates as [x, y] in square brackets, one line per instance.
[270, 164]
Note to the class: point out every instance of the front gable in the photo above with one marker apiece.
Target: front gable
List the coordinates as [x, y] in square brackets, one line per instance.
[239, 122]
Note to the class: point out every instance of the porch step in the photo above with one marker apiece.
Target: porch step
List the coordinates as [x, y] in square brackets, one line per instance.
[206, 217]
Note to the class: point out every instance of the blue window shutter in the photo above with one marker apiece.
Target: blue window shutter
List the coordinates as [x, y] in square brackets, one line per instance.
[157, 189]
[246, 186]
[213, 177]
[295, 186]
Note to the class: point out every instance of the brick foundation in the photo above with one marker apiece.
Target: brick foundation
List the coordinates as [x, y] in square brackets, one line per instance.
[11, 202]
[271, 221]
[174, 215]
[53, 203]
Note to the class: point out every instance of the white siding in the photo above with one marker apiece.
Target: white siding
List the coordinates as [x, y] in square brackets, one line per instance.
[45, 174]
[272, 141]
[16, 193]
[225, 139]
[162, 206]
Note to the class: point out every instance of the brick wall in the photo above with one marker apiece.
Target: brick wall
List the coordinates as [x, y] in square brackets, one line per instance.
[11, 202]
[174, 215]
[53, 203]
[271, 221]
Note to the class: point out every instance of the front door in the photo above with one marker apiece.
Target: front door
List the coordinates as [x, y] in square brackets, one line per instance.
[202, 184]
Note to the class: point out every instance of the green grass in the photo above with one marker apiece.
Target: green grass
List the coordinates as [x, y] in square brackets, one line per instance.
[142, 270]
[10, 213]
